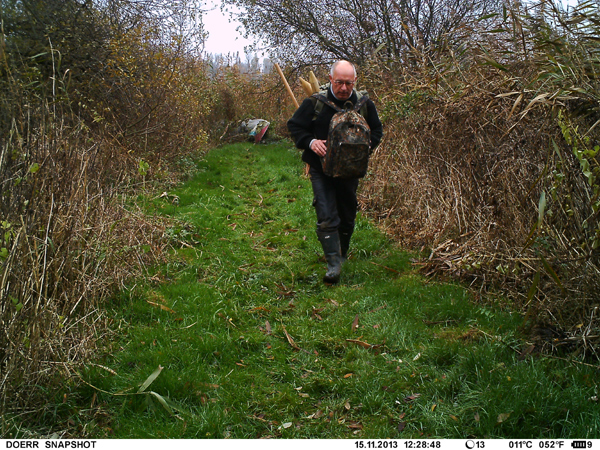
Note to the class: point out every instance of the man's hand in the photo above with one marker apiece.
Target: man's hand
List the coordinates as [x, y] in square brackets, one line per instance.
[319, 146]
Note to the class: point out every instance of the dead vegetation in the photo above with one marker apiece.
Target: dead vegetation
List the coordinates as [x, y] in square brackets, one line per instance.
[489, 167]
[68, 243]
[82, 130]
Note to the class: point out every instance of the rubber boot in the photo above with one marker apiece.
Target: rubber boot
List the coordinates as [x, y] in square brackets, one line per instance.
[345, 244]
[333, 255]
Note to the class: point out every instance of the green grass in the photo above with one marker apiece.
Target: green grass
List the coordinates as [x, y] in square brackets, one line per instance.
[248, 270]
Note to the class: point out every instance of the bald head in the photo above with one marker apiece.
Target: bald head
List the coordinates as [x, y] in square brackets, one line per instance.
[342, 79]
[344, 66]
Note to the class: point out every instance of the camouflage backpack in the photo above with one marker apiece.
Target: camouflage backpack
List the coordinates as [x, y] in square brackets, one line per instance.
[348, 140]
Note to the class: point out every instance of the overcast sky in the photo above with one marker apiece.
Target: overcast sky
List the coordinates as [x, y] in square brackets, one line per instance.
[223, 37]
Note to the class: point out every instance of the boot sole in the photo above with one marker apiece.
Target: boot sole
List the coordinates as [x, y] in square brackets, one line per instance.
[330, 281]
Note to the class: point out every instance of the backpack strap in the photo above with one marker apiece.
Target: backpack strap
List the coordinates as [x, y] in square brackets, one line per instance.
[320, 98]
[361, 105]
[324, 100]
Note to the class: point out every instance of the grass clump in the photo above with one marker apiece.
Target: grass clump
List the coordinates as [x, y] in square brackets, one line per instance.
[253, 345]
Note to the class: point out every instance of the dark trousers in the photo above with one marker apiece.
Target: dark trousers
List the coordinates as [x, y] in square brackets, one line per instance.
[335, 202]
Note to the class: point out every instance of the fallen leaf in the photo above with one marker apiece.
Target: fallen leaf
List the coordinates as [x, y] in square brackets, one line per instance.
[355, 324]
[163, 307]
[287, 424]
[245, 267]
[290, 340]
[503, 417]
[454, 418]
[268, 327]
[411, 397]
[347, 405]
[348, 375]
[361, 343]
[355, 426]
[527, 352]
[433, 407]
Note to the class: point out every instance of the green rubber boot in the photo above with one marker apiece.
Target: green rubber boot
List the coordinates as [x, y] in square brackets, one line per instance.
[333, 255]
[345, 244]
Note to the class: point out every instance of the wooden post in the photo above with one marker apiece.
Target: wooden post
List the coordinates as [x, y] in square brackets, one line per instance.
[287, 86]
[314, 82]
[306, 86]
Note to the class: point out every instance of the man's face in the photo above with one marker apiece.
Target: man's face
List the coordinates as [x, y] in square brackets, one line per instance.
[342, 81]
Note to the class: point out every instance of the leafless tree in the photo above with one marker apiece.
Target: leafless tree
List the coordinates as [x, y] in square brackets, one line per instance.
[312, 31]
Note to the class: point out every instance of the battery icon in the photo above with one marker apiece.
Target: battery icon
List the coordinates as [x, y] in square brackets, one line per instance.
[579, 444]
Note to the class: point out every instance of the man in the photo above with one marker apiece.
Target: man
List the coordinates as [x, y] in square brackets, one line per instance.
[334, 198]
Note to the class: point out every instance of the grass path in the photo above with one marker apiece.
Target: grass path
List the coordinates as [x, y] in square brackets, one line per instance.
[252, 344]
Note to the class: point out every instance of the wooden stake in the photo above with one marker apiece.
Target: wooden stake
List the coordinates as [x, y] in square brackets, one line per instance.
[287, 86]
[306, 86]
[314, 82]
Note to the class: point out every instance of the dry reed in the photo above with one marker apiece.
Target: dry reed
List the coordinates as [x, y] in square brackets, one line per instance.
[479, 169]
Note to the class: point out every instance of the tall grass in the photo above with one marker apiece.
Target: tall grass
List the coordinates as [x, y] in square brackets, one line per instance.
[75, 146]
[66, 244]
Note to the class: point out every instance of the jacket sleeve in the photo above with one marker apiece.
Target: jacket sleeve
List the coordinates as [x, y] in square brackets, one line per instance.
[300, 125]
[375, 125]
